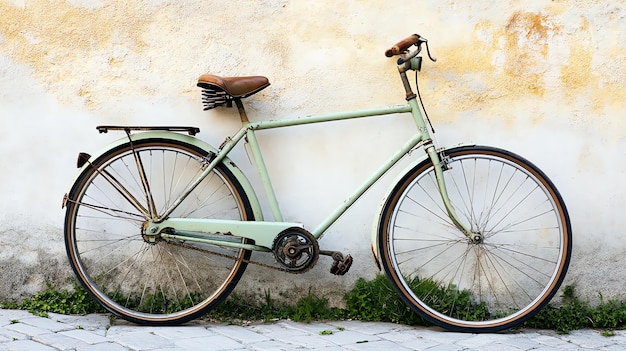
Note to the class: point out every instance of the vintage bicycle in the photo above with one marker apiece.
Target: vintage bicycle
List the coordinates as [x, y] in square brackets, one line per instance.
[160, 226]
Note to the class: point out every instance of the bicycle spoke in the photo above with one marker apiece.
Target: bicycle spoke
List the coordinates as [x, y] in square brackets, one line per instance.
[493, 281]
[124, 192]
[147, 278]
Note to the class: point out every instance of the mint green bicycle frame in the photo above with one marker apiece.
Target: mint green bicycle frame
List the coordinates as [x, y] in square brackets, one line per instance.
[264, 232]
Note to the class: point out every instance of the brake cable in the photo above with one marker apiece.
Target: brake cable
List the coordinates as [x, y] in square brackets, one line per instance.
[422, 103]
[418, 88]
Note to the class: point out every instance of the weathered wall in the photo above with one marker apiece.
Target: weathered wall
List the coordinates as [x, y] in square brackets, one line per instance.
[542, 78]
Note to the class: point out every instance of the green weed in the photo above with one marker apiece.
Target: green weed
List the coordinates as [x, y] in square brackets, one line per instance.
[374, 300]
[53, 300]
[377, 301]
[608, 333]
[574, 313]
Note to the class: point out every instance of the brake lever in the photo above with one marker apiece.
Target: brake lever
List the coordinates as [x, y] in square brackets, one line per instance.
[434, 59]
[414, 53]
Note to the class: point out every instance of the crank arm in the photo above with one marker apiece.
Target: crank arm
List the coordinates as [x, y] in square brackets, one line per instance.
[336, 255]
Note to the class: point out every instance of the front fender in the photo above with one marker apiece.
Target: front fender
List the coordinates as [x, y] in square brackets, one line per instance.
[377, 219]
[241, 178]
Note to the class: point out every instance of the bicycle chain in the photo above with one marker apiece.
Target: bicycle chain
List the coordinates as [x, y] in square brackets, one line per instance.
[235, 258]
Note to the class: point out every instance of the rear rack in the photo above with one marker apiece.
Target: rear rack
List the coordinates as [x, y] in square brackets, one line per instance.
[128, 129]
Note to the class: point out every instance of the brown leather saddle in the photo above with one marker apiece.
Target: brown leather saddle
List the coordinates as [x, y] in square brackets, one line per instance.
[219, 91]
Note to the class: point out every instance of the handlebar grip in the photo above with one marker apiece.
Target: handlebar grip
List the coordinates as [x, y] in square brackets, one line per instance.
[402, 45]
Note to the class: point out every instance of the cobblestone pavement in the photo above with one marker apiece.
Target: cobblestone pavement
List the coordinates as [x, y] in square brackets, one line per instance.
[20, 330]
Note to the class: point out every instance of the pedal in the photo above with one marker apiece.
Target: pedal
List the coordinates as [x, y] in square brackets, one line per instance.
[341, 267]
[341, 264]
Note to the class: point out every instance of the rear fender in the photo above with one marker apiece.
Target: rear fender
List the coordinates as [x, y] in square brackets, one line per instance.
[241, 178]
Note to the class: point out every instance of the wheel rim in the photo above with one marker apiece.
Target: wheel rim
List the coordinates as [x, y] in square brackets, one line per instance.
[152, 280]
[502, 276]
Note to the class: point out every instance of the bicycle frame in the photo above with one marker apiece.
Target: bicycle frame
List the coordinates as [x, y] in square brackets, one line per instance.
[131, 250]
[263, 233]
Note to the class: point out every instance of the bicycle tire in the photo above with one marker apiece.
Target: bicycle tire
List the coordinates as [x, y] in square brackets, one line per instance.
[476, 286]
[161, 282]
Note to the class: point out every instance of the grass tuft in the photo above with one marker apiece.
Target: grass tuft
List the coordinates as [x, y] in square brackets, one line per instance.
[373, 300]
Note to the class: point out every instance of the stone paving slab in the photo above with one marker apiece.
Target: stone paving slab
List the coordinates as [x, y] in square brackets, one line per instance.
[20, 330]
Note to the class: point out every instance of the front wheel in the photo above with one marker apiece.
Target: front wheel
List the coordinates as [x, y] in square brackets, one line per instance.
[512, 265]
[140, 277]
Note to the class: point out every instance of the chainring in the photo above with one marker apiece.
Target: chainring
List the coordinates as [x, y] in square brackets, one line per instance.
[296, 250]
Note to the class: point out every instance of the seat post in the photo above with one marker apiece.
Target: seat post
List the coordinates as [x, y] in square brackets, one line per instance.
[242, 111]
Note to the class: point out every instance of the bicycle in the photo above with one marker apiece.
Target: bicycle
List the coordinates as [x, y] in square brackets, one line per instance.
[160, 226]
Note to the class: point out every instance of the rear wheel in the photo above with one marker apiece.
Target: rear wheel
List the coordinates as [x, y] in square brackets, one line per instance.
[143, 278]
[512, 265]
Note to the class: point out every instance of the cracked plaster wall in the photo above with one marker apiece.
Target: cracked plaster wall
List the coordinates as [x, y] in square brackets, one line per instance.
[542, 78]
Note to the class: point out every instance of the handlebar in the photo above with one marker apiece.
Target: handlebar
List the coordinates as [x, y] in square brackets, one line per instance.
[402, 47]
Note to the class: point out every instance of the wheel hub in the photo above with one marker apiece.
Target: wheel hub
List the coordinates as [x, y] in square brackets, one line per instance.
[150, 233]
[476, 238]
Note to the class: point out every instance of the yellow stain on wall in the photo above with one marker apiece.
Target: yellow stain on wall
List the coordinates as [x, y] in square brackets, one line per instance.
[70, 48]
[94, 57]
[507, 63]
[501, 64]
[87, 55]
[54, 32]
